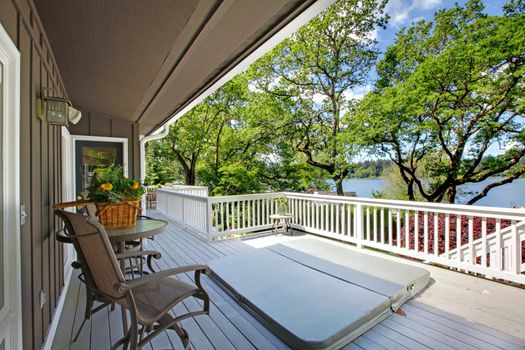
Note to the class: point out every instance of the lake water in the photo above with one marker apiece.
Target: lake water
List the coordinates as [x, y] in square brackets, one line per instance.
[502, 196]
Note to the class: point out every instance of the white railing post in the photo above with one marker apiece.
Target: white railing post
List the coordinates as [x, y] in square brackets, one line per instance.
[358, 217]
[515, 252]
[183, 216]
[209, 222]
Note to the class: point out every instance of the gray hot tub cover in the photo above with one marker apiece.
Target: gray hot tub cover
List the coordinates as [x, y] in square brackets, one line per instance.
[311, 302]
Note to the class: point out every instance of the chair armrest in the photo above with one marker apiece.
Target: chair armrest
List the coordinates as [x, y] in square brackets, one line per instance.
[122, 287]
[62, 237]
[138, 254]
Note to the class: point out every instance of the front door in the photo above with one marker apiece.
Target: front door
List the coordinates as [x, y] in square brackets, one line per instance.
[10, 307]
[89, 155]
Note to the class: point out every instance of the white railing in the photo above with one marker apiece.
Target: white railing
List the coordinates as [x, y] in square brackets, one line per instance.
[190, 210]
[240, 214]
[489, 240]
[195, 190]
[488, 245]
[421, 230]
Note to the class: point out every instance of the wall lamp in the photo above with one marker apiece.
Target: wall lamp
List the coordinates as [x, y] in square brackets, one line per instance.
[57, 111]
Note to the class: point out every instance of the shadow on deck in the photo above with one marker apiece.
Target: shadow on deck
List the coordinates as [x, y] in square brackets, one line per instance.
[231, 327]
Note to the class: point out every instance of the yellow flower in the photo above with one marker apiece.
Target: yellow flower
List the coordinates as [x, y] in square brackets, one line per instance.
[135, 185]
[106, 187]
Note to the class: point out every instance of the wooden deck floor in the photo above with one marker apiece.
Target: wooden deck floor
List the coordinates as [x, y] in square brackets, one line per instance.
[231, 327]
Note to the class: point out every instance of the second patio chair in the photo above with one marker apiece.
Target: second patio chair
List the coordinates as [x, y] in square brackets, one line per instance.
[149, 299]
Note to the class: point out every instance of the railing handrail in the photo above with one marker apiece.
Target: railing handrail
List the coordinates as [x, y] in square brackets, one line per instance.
[187, 186]
[186, 195]
[517, 214]
[245, 197]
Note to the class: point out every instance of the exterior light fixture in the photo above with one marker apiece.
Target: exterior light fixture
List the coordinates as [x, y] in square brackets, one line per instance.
[57, 111]
[74, 115]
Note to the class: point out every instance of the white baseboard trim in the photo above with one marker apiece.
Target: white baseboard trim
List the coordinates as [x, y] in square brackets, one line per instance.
[48, 343]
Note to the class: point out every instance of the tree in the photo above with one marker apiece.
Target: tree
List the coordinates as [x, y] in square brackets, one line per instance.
[311, 73]
[249, 153]
[189, 137]
[446, 92]
[229, 143]
[160, 167]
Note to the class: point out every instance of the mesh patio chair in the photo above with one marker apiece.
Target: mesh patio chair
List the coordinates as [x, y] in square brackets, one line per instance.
[148, 299]
[67, 236]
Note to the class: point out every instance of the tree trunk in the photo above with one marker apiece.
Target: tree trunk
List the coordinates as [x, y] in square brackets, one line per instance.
[339, 185]
[451, 194]
[410, 191]
[189, 177]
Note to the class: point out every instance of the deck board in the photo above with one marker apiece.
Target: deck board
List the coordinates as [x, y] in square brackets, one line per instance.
[384, 340]
[64, 333]
[229, 326]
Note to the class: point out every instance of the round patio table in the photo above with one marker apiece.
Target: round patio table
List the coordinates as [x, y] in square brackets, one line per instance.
[143, 228]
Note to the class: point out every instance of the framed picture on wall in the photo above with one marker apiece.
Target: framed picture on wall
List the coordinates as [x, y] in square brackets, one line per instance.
[91, 152]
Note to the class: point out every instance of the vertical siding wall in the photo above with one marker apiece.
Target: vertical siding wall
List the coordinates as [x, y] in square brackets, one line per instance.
[95, 123]
[42, 256]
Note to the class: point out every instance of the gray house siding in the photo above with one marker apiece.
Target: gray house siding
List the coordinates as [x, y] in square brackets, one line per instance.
[40, 179]
[95, 123]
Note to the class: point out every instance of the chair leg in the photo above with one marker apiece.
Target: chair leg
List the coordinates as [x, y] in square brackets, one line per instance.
[134, 332]
[133, 337]
[87, 311]
[122, 341]
[89, 302]
[149, 261]
[79, 330]
[183, 335]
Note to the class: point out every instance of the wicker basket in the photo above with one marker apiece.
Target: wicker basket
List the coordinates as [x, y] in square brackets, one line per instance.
[118, 215]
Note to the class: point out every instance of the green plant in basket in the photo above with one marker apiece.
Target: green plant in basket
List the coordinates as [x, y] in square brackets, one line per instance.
[109, 185]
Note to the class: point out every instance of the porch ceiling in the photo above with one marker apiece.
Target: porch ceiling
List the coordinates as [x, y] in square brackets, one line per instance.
[144, 61]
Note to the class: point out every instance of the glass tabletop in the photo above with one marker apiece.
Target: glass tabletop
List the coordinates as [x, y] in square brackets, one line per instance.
[143, 228]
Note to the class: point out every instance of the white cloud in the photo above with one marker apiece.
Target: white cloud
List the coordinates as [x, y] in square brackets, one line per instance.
[507, 146]
[373, 34]
[400, 10]
[318, 98]
[253, 88]
[426, 4]
[357, 93]
[275, 82]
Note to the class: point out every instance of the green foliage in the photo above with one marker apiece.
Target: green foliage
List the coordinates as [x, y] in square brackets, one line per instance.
[108, 185]
[160, 167]
[448, 90]
[370, 168]
[230, 144]
[309, 76]
[395, 187]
